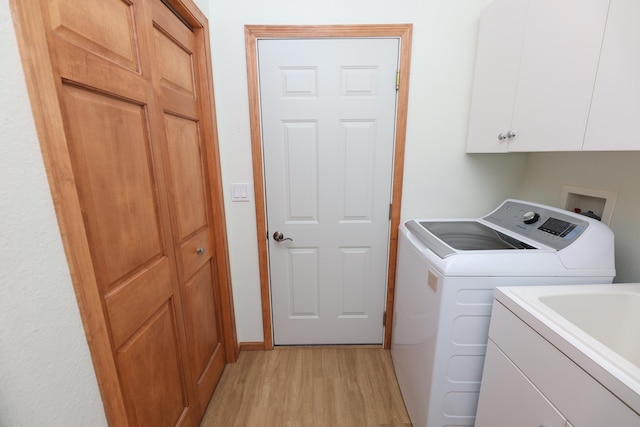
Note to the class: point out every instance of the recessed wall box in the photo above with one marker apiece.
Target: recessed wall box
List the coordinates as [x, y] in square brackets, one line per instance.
[585, 200]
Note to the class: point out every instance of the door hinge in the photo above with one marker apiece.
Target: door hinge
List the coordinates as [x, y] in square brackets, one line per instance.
[398, 80]
[384, 318]
[390, 210]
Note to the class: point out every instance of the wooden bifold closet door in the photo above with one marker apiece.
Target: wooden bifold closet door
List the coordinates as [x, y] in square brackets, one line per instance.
[132, 178]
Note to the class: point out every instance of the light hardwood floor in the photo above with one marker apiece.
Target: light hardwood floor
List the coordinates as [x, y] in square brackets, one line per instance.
[317, 386]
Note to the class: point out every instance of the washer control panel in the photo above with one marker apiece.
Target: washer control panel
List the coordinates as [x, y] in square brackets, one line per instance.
[550, 226]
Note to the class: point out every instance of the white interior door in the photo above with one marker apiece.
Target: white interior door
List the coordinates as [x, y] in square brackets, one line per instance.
[328, 121]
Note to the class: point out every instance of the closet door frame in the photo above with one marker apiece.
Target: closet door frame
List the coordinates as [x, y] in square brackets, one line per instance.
[45, 104]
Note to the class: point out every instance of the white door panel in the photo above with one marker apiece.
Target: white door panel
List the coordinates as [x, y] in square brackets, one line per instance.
[328, 123]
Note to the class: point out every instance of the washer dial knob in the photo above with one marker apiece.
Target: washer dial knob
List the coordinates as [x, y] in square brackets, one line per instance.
[530, 217]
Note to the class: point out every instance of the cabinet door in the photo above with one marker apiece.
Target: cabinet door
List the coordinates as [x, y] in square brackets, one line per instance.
[500, 37]
[557, 74]
[508, 398]
[616, 98]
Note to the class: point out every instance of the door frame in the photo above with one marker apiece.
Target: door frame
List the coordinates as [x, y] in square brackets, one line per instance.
[45, 104]
[252, 34]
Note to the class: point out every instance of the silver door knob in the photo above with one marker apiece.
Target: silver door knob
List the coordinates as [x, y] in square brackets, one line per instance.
[279, 237]
[502, 136]
[200, 251]
[511, 134]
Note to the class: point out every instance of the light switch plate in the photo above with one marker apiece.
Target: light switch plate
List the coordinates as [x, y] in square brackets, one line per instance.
[240, 192]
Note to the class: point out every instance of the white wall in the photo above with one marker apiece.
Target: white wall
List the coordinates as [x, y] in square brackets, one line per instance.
[440, 180]
[620, 172]
[46, 375]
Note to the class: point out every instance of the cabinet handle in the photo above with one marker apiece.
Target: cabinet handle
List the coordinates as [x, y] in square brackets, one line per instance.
[512, 134]
[502, 136]
[200, 251]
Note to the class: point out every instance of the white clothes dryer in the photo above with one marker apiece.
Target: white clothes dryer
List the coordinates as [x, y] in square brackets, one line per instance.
[446, 272]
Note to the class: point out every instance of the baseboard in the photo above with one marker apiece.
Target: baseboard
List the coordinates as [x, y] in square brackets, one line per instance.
[252, 346]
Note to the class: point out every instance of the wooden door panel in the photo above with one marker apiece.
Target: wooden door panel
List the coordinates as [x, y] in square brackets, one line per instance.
[194, 252]
[134, 301]
[175, 63]
[105, 27]
[178, 104]
[199, 300]
[187, 179]
[92, 71]
[176, 29]
[98, 45]
[151, 374]
[178, 86]
[202, 334]
[109, 140]
[175, 46]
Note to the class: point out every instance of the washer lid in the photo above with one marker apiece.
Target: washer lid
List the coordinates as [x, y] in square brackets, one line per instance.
[463, 236]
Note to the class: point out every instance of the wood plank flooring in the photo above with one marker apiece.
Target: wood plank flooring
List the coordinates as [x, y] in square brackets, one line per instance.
[308, 386]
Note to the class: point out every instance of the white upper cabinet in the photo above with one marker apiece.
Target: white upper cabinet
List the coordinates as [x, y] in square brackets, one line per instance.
[559, 63]
[615, 109]
[500, 39]
[535, 71]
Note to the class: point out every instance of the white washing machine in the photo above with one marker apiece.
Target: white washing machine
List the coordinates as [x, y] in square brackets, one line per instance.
[446, 273]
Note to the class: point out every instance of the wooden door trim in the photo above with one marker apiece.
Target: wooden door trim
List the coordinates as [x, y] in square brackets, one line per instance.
[199, 22]
[45, 104]
[252, 34]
